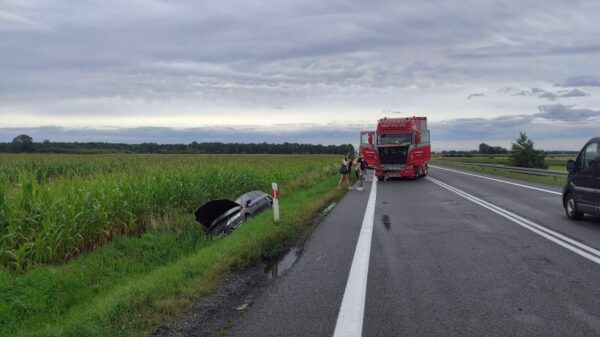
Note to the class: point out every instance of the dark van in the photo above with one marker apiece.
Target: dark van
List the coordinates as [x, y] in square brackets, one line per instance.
[582, 192]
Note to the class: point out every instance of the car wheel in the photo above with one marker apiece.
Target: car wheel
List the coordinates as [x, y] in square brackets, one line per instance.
[218, 229]
[571, 207]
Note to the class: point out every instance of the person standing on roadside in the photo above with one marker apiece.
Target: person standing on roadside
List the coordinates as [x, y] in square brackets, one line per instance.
[361, 170]
[345, 171]
[350, 157]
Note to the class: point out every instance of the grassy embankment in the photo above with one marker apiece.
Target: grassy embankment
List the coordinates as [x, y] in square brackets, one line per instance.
[131, 284]
[556, 162]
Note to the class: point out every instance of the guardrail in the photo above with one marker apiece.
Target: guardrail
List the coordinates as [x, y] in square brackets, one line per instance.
[531, 171]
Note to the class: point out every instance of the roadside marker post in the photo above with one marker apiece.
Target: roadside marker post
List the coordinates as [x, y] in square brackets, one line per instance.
[275, 195]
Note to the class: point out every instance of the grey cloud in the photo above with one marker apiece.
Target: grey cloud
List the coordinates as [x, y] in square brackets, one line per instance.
[342, 133]
[99, 57]
[582, 123]
[581, 81]
[393, 112]
[573, 125]
[13, 22]
[101, 47]
[542, 93]
[475, 95]
[574, 93]
[561, 112]
[533, 92]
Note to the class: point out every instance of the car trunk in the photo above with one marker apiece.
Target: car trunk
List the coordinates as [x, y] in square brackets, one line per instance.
[393, 155]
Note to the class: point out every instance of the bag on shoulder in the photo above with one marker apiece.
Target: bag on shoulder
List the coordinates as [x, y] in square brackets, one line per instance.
[343, 169]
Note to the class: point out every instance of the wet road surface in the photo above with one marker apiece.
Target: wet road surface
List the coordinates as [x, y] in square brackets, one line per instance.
[450, 255]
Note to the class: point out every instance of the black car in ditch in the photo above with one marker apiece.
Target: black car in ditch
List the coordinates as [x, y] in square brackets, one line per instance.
[581, 194]
[224, 215]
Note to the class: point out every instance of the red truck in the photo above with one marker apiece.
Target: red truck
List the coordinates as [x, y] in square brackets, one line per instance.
[403, 147]
[367, 148]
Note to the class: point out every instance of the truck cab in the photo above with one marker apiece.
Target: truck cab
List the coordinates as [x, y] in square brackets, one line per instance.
[403, 147]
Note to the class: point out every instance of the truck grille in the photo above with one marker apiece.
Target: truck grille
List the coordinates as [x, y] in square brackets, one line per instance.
[393, 155]
[393, 167]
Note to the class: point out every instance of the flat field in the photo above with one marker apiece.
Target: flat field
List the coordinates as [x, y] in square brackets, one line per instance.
[554, 162]
[107, 244]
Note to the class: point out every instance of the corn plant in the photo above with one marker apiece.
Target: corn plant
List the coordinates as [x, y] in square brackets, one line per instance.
[52, 207]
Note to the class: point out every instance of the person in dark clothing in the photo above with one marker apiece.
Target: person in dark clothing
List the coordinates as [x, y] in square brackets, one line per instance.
[361, 170]
[345, 171]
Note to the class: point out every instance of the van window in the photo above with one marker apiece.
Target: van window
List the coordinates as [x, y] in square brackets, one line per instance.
[590, 153]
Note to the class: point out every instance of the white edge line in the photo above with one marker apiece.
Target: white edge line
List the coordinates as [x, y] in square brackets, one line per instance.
[530, 223]
[498, 180]
[593, 255]
[351, 315]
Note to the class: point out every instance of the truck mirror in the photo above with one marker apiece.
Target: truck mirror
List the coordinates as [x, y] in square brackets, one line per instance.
[417, 138]
[371, 138]
[570, 166]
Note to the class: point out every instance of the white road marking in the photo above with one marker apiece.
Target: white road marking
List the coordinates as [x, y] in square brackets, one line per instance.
[564, 241]
[498, 180]
[350, 318]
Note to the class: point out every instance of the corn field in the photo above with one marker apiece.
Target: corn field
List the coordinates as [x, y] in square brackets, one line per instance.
[53, 207]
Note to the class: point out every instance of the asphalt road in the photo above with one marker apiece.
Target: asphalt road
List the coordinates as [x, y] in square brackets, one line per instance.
[452, 254]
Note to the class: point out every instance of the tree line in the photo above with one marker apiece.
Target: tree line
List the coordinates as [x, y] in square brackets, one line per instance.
[521, 154]
[25, 144]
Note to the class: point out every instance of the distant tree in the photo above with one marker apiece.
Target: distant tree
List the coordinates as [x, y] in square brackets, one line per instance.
[486, 149]
[523, 153]
[499, 150]
[22, 143]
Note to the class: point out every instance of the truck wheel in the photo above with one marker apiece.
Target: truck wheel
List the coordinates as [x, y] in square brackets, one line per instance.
[571, 207]
[381, 178]
[416, 169]
[425, 171]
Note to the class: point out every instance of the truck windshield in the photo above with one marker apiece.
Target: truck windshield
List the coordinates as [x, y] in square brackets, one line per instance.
[394, 139]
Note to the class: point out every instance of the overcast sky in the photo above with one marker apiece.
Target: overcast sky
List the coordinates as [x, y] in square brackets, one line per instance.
[305, 71]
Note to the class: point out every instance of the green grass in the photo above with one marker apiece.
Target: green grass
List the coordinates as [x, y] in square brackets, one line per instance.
[555, 161]
[558, 167]
[28, 299]
[131, 284]
[550, 180]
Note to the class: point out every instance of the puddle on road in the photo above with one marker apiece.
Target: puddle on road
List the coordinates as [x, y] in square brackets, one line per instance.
[279, 266]
[328, 208]
[386, 221]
